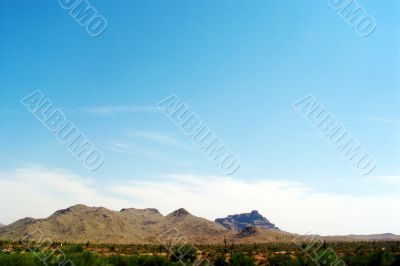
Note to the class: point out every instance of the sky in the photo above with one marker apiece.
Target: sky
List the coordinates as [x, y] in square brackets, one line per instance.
[240, 66]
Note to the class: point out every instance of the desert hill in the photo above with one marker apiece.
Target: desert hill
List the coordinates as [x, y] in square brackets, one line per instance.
[373, 237]
[81, 224]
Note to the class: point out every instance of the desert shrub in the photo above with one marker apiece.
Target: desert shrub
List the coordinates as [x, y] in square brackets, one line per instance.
[18, 260]
[151, 261]
[72, 248]
[396, 261]
[282, 260]
[240, 259]
[376, 258]
[138, 261]
[184, 254]
[86, 259]
[220, 261]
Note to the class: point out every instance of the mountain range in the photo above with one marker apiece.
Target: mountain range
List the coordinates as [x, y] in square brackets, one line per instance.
[81, 224]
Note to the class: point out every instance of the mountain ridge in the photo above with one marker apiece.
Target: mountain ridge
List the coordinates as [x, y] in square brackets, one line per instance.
[80, 224]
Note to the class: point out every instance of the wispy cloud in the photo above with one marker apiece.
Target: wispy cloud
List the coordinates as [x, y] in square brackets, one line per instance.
[152, 144]
[37, 192]
[381, 120]
[294, 207]
[143, 150]
[159, 138]
[133, 149]
[118, 109]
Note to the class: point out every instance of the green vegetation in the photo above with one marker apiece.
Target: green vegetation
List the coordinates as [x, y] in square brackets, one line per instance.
[220, 261]
[185, 253]
[239, 259]
[82, 259]
[272, 254]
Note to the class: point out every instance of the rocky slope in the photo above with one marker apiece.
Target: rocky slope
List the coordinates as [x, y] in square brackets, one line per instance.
[238, 222]
[81, 224]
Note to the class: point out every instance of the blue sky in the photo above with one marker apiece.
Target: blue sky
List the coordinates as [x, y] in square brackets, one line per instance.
[240, 66]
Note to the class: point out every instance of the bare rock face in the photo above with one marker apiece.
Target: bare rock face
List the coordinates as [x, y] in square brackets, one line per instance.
[238, 222]
[248, 231]
[179, 213]
[1, 225]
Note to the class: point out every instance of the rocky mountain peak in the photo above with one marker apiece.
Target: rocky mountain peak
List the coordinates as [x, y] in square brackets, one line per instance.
[238, 222]
[134, 210]
[75, 208]
[153, 210]
[179, 213]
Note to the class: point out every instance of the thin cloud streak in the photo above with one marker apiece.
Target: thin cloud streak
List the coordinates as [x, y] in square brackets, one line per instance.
[159, 138]
[140, 150]
[382, 120]
[119, 109]
[132, 149]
